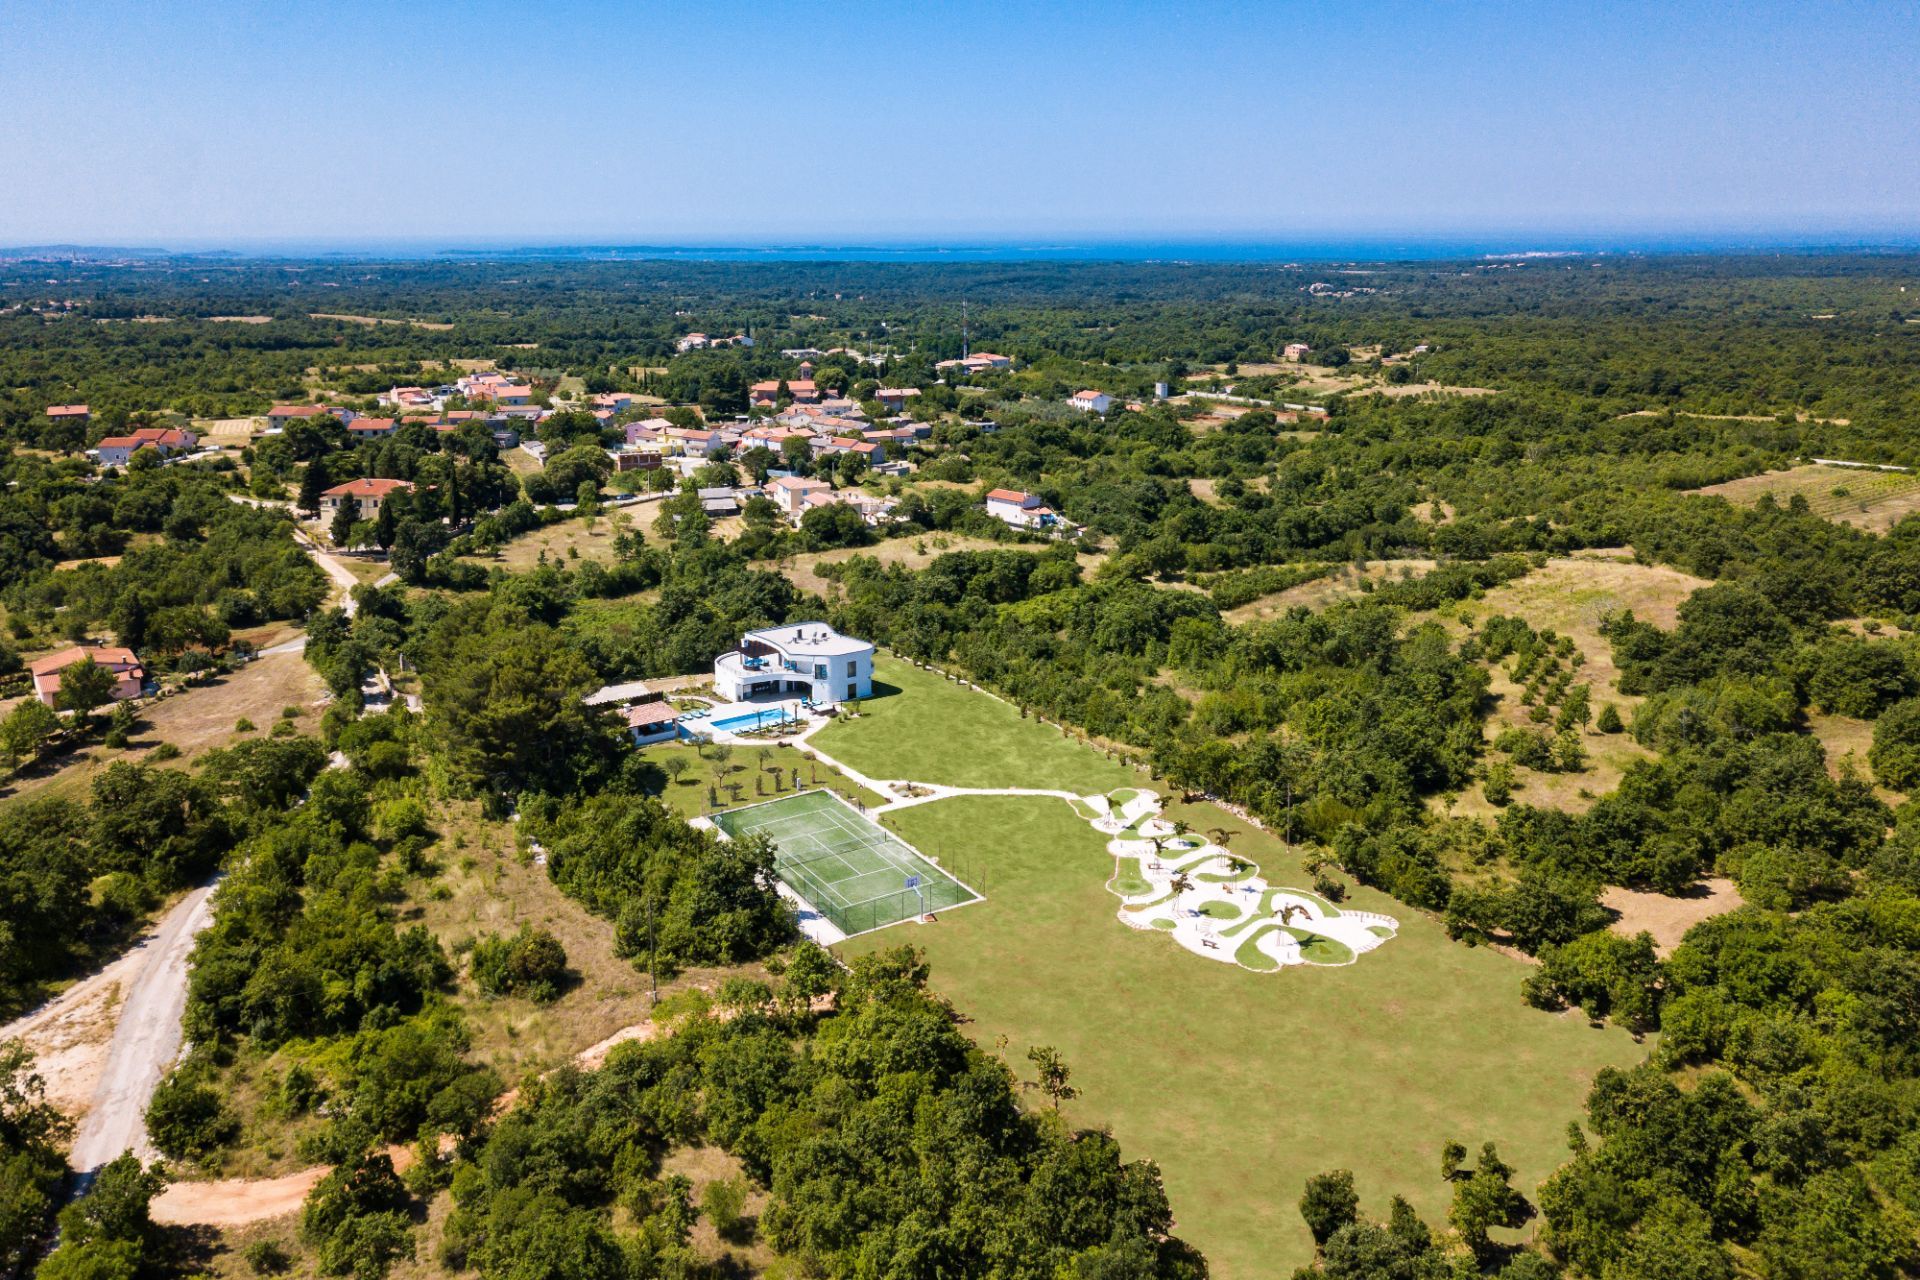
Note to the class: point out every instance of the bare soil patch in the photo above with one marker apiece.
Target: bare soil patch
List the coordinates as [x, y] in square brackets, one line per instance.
[1871, 500]
[239, 319]
[1668, 919]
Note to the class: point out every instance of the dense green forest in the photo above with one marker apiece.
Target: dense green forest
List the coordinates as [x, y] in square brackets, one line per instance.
[1770, 1133]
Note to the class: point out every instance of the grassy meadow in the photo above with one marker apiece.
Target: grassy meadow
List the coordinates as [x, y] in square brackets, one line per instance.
[1239, 1085]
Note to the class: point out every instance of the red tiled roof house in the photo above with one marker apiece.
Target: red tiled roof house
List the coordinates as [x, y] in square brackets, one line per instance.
[127, 672]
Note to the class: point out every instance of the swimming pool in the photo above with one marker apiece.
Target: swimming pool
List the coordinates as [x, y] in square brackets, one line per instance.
[753, 720]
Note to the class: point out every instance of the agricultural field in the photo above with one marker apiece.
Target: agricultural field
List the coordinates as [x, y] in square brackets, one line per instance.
[1571, 596]
[1239, 1085]
[1864, 498]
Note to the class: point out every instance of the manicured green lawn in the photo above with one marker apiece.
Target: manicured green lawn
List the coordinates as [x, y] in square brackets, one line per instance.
[922, 726]
[1240, 1085]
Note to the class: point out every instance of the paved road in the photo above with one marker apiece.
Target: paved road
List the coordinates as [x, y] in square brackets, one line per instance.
[146, 1041]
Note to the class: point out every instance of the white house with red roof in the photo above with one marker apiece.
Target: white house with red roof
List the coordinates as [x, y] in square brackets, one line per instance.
[1091, 401]
[129, 677]
[895, 398]
[371, 428]
[69, 414]
[367, 493]
[1021, 510]
[117, 451]
[829, 446]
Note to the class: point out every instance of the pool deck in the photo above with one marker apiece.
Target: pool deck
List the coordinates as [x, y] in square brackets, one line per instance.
[709, 724]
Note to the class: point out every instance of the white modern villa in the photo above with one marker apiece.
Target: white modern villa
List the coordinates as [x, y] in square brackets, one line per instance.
[808, 658]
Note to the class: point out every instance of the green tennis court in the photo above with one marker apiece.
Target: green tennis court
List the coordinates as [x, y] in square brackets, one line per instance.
[853, 871]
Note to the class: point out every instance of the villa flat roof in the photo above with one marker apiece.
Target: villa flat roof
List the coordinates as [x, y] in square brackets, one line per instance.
[816, 639]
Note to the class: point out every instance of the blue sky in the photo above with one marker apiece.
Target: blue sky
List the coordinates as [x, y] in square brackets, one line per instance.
[160, 123]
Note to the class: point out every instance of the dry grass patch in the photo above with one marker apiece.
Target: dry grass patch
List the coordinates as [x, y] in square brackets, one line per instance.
[704, 1166]
[486, 885]
[196, 720]
[371, 321]
[910, 553]
[1402, 390]
[1871, 500]
[1571, 596]
[1668, 919]
[563, 544]
[1343, 584]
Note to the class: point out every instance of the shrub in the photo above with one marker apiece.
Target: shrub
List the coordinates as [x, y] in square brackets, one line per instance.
[724, 1203]
[243, 725]
[186, 1119]
[1895, 755]
[165, 751]
[531, 963]
[267, 1258]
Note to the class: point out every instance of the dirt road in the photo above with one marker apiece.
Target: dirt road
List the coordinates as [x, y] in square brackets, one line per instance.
[146, 1041]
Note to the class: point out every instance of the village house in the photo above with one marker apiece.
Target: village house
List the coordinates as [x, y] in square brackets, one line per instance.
[895, 398]
[612, 401]
[773, 437]
[367, 493]
[694, 441]
[830, 446]
[73, 415]
[631, 459]
[117, 451]
[1020, 510]
[283, 415]
[764, 395]
[370, 428]
[691, 342]
[1091, 401]
[721, 500]
[408, 398]
[803, 391]
[647, 431]
[789, 493]
[1296, 352]
[129, 677]
[871, 510]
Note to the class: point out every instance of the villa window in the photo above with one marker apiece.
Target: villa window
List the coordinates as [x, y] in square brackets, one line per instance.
[850, 668]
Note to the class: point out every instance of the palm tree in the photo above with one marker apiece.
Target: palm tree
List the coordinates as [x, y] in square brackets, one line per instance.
[1222, 836]
[1181, 883]
[1157, 842]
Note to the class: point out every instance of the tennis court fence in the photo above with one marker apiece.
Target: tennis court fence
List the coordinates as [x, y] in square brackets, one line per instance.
[958, 886]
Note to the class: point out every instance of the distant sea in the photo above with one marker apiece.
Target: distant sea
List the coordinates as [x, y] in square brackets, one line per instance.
[1374, 248]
